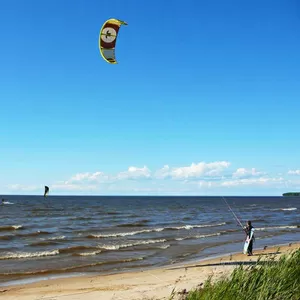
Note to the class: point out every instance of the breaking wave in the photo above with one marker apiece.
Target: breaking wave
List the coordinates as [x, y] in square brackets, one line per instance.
[58, 238]
[121, 234]
[202, 236]
[29, 254]
[277, 227]
[284, 209]
[7, 203]
[117, 247]
[11, 227]
[87, 253]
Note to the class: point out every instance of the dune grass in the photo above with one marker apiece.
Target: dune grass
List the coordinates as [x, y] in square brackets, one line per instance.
[276, 279]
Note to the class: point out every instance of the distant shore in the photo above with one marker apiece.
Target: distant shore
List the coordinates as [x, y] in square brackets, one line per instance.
[155, 283]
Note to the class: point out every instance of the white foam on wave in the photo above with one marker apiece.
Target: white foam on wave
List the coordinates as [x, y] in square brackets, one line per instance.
[16, 227]
[29, 254]
[139, 243]
[11, 227]
[89, 253]
[284, 209]
[276, 227]
[202, 236]
[186, 227]
[125, 233]
[61, 237]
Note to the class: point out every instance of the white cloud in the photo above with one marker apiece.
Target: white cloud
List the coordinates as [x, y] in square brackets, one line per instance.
[88, 177]
[82, 182]
[294, 172]
[65, 186]
[25, 188]
[254, 182]
[206, 184]
[194, 170]
[293, 184]
[262, 181]
[246, 173]
[162, 173]
[200, 169]
[134, 173]
[206, 178]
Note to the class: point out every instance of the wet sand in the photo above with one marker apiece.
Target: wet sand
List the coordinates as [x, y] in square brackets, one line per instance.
[148, 284]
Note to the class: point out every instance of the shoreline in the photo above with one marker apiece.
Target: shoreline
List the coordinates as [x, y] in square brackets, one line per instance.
[137, 284]
[28, 279]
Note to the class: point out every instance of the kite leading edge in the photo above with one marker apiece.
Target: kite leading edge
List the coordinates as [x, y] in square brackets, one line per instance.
[108, 38]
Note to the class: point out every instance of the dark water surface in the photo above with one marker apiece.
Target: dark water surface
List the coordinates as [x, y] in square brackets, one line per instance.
[70, 234]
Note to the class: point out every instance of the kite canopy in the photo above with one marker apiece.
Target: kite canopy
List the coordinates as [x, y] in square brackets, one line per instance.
[46, 191]
[108, 38]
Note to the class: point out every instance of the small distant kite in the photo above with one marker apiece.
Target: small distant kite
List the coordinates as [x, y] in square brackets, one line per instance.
[46, 191]
[108, 38]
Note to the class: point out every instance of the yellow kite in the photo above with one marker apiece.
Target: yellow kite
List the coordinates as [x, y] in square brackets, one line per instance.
[108, 38]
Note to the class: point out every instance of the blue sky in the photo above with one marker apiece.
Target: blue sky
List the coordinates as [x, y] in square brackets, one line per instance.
[210, 89]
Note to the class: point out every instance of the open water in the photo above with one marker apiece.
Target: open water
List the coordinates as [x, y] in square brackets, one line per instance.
[69, 235]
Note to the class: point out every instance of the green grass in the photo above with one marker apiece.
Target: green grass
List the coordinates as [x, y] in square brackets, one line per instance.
[266, 279]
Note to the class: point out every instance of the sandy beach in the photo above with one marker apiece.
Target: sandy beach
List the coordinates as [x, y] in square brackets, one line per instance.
[148, 284]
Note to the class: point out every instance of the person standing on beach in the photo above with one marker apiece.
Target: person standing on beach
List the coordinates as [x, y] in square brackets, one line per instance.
[250, 237]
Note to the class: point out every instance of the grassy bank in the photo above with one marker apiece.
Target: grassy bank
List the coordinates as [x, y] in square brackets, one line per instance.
[268, 278]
